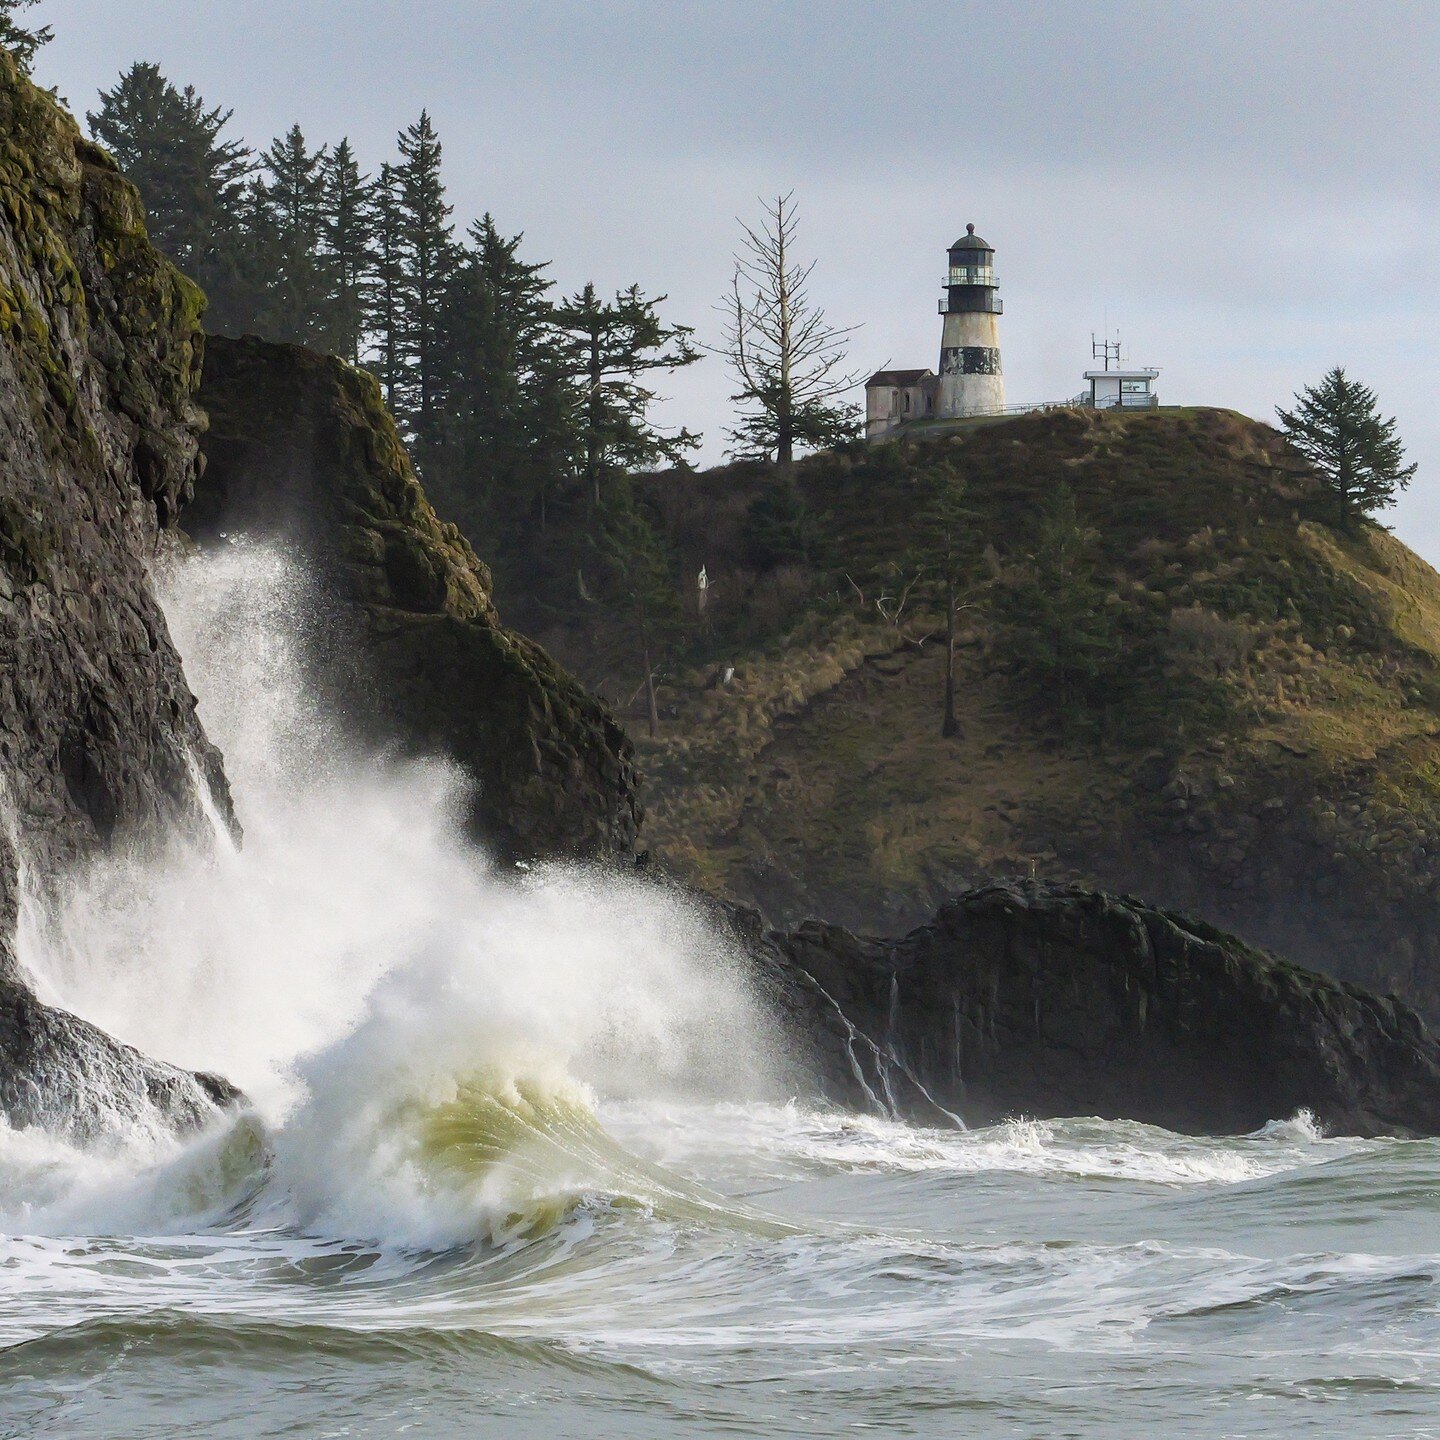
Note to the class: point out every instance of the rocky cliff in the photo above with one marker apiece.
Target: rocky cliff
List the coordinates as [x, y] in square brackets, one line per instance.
[301, 448]
[1040, 1000]
[99, 743]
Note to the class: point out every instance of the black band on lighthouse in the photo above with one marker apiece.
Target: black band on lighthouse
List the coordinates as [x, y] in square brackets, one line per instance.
[969, 360]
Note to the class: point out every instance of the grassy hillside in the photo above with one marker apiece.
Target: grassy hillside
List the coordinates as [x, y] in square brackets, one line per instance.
[1253, 732]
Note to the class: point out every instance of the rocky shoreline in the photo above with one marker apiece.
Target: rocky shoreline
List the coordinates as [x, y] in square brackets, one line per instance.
[1027, 998]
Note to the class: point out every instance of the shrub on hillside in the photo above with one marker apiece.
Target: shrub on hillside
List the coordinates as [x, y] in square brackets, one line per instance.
[779, 528]
[1209, 644]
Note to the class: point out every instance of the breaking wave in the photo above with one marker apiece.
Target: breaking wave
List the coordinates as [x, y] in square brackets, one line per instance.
[423, 1036]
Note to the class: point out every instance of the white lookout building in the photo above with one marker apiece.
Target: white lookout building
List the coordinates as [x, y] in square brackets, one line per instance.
[971, 381]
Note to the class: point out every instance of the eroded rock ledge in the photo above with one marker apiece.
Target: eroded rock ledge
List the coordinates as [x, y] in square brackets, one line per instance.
[301, 449]
[1042, 1000]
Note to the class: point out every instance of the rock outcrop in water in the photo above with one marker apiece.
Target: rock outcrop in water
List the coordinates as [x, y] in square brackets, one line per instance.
[301, 448]
[99, 742]
[1043, 1000]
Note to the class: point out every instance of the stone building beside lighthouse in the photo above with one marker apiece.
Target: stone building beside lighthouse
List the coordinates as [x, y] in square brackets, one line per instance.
[971, 380]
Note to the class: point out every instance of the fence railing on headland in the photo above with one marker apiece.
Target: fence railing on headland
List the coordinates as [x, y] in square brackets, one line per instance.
[1076, 402]
[979, 412]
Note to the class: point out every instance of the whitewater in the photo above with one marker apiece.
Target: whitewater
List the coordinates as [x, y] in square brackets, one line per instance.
[526, 1156]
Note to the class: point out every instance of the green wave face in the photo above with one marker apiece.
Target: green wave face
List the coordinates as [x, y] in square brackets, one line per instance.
[525, 1151]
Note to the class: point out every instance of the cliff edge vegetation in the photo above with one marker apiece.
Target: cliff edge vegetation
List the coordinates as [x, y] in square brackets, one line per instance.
[1172, 678]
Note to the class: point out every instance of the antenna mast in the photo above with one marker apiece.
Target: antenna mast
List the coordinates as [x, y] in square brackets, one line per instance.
[1107, 350]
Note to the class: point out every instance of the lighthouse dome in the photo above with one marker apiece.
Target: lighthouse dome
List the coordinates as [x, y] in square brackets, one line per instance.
[971, 241]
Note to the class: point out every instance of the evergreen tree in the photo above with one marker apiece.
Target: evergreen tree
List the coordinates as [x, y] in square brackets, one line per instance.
[191, 178]
[256, 259]
[1061, 637]
[608, 346]
[639, 579]
[779, 527]
[1337, 427]
[20, 41]
[301, 280]
[508, 404]
[386, 309]
[789, 360]
[348, 230]
[948, 552]
[426, 254]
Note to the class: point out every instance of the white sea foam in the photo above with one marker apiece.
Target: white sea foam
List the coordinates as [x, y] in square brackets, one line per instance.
[357, 963]
[791, 1140]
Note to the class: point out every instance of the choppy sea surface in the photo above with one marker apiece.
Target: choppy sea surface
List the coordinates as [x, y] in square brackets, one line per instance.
[524, 1158]
[760, 1270]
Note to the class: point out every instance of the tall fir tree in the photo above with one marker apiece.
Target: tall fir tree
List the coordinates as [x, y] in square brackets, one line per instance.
[22, 41]
[789, 361]
[192, 179]
[385, 311]
[348, 231]
[301, 281]
[426, 254]
[1336, 426]
[609, 346]
[256, 250]
[949, 535]
[508, 406]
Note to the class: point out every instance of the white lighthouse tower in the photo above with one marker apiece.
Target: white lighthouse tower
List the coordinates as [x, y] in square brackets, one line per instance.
[970, 380]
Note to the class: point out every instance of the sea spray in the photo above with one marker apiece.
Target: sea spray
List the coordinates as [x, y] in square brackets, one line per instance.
[358, 965]
[499, 1034]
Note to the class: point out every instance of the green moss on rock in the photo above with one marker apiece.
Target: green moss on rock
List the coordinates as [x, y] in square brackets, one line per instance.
[301, 448]
[99, 437]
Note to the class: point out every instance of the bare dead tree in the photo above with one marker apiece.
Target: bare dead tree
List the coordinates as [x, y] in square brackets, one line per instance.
[892, 607]
[790, 363]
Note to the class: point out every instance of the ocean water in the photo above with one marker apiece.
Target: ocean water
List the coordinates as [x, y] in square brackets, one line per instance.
[526, 1158]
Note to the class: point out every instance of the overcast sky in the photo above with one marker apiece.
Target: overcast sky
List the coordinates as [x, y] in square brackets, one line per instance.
[1247, 191]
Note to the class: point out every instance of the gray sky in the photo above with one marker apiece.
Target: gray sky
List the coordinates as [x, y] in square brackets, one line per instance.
[1247, 191]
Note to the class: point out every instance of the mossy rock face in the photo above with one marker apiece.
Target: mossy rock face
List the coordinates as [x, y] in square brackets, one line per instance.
[1047, 1000]
[100, 350]
[301, 449]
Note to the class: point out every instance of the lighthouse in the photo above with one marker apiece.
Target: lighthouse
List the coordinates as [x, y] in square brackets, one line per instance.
[970, 383]
[970, 380]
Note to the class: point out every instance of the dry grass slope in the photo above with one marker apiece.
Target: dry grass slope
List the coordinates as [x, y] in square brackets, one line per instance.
[1263, 748]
